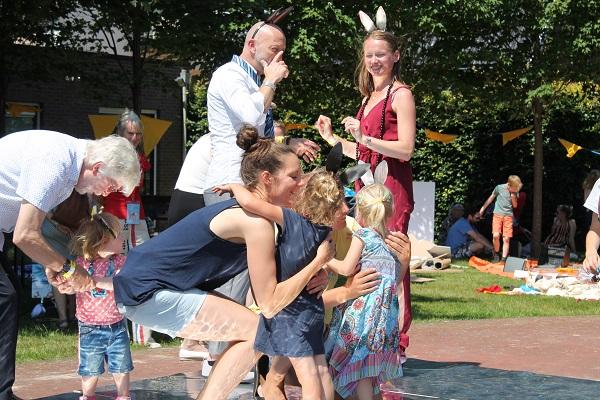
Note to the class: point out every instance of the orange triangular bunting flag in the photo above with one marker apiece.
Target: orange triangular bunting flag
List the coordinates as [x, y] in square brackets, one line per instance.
[571, 148]
[508, 136]
[439, 137]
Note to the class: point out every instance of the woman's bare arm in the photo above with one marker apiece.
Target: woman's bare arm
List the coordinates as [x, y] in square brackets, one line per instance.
[270, 295]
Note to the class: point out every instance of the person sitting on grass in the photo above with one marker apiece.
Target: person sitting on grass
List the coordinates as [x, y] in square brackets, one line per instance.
[464, 239]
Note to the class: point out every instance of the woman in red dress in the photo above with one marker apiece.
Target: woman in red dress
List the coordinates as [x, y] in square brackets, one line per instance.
[384, 129]
[130, 210]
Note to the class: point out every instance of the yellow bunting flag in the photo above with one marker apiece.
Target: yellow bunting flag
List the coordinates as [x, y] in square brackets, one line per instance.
[291, 127]
[571, 148]
[508, 136]
[154, 128]
[439, 137]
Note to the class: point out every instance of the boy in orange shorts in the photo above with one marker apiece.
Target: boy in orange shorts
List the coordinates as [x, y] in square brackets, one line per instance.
[506, 196]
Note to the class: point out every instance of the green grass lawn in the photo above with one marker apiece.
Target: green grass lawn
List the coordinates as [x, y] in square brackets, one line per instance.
[43, 341]
[452, 296]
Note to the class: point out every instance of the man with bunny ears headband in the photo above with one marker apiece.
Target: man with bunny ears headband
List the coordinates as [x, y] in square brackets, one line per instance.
[242, 91]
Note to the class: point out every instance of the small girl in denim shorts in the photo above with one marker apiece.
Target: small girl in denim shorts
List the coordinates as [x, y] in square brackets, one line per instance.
[102, 329]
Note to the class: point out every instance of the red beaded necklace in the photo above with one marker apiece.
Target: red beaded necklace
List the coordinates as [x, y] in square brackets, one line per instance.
[382, 125]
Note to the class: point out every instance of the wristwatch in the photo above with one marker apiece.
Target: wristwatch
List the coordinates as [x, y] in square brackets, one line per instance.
[68, 269]
[271, 85]
[368, 141]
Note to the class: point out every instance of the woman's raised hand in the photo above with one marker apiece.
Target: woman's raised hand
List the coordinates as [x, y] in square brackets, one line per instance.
[323, 125]
[352, 125]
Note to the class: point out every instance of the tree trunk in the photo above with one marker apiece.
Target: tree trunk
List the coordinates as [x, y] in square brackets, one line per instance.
[538, 174]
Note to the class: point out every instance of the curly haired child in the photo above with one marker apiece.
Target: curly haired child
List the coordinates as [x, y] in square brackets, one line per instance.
[102, 328]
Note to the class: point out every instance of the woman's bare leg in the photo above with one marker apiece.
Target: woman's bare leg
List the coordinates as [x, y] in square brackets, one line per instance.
[274, 387]
[224, 320]
[308, 375]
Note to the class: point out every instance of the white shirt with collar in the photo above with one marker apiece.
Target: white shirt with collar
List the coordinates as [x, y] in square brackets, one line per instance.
[591, 203]
[232, 100]
[192, 176]
[40, 167]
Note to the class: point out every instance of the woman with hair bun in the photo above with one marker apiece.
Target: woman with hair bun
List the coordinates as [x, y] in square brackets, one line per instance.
[167, 284]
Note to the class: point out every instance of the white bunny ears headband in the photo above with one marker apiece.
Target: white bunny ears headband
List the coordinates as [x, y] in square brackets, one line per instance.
[380, 20]
[380, 175]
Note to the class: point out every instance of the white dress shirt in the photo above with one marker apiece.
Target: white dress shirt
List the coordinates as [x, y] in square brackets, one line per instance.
[591, 203]
[41, 167]
[232, 99]
[192, 176]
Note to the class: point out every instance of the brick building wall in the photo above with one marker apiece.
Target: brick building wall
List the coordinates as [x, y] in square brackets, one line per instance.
[65, 105]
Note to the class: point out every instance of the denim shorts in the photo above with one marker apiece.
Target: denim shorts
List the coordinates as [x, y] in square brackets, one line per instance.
[167, 311]
[104, 343]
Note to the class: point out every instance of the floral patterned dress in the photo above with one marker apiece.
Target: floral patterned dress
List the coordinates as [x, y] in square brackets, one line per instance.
[363, 338]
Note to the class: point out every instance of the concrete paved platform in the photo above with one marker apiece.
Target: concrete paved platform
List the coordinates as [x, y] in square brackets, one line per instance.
[528, 358]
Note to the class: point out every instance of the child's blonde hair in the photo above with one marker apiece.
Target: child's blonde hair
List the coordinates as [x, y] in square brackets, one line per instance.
[375, 205]
[320, 198]
[94, 233]
[515, 182]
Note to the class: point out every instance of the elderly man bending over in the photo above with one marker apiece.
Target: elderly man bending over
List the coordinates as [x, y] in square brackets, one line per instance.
[38, 170]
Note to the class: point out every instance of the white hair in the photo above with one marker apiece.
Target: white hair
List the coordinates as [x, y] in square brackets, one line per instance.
[119, 159]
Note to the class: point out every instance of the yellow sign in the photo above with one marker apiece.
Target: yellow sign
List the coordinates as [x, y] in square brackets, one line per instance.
[154, 129]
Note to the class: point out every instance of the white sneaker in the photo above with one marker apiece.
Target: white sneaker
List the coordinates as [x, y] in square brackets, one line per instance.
[207, 367]
[249, 378]
[185, 354]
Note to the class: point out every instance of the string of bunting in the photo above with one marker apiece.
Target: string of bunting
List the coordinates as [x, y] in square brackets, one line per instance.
[446, 138]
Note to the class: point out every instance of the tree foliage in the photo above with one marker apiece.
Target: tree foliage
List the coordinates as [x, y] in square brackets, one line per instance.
[24, 25]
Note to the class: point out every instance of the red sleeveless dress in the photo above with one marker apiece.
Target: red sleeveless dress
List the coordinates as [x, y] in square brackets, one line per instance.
[399, 182]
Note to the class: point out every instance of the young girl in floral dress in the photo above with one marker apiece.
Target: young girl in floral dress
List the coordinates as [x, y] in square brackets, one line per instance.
[362, 345]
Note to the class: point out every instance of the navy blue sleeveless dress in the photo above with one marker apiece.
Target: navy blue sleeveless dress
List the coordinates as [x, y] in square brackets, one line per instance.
[186, 255]
[297, 330]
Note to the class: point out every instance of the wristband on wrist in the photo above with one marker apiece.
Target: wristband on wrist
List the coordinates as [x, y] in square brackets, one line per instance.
[270, 85]
[334, 140]
[282, 139]
[68, 269]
